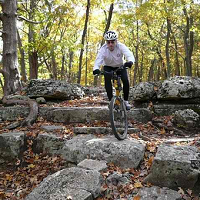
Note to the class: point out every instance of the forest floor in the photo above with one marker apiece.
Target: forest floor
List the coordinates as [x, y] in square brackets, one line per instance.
[16, 183]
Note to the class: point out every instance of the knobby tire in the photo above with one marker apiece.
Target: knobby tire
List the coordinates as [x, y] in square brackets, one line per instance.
[118, 118]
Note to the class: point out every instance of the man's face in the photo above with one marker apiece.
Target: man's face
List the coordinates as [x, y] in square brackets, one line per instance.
[111, 44]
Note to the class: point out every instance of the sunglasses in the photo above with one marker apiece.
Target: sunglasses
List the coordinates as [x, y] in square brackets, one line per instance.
[110, 42]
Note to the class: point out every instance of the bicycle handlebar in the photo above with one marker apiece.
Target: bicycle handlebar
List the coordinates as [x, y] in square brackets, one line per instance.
[102, 72]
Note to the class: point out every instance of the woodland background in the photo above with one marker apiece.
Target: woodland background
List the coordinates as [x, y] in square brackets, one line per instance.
[59, 39]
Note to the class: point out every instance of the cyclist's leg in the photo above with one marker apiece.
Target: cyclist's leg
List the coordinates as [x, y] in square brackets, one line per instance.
[125, 81]
[108, 82]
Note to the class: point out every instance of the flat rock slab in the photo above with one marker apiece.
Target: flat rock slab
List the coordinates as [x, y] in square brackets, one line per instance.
[72, 114]
[91, 114]
[126, 154]
[99, 130]
[156, 193]
[174, 166]
[74, 182]
[98, 165]
[51, 128]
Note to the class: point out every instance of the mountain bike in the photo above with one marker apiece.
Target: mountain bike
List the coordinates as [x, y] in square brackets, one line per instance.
[117, 108]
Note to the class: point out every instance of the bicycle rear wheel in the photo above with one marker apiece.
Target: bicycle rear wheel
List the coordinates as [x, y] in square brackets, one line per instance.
[118, 118]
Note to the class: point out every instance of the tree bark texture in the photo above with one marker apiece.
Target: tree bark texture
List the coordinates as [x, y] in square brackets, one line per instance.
[83, 41]
[33, 57]
[9, 35]
[188, 43]
[22, 58]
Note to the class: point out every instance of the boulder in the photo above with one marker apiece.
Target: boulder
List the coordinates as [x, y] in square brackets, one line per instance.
[126, 154]
[54, 89]
[75, 183]
[48, 143]
[156, 193]
[143, 91]
[11, 148]
[186, 118]
[174, 167]
[179, 87]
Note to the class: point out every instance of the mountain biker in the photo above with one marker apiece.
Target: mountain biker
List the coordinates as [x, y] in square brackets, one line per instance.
[111, 57]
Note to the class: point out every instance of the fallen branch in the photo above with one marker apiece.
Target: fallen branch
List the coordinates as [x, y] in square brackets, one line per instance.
[32, 114]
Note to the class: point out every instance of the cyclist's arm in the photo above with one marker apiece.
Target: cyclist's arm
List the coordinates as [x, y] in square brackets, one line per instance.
[127, 53]
[99, 60]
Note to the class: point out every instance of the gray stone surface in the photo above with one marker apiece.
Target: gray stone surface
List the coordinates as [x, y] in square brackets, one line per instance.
[54, 89]
[91, 114]
[98, 165]
[186, 118]
[87, 184]
[172, 167]
[11, 147]
[179, 87]
[156, 193]
[48, 143]
[143, 91]
[126, 154]
[99, 130]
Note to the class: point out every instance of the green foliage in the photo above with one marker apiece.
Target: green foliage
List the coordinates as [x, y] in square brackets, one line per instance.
[141, 26]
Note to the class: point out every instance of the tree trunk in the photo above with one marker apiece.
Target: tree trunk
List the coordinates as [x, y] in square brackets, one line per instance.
[97, 79]
[54, 65]
[167, 48]
[108, 21]
[71, 56]
[188, 43]
[83, 41]
[9, 35]
[136, 68]
[22, 59]
[33, 57]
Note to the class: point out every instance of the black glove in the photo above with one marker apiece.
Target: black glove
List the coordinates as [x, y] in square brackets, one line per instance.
[128, 64]
[96, 72]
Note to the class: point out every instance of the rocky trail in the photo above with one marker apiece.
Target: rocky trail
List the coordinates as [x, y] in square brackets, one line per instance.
[158, 160]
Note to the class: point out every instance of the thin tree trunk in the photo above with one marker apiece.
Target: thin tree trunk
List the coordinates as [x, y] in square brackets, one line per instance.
[188, 43]
[83, 41]
[167, 48]
[108, 21]
[150, 76]
[71, 56]
[33, 57]
[136, 57]
[97, 79]
[22, 59]
[54, 65]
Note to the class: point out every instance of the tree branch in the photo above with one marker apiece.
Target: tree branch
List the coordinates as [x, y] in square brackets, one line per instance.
[30, 21]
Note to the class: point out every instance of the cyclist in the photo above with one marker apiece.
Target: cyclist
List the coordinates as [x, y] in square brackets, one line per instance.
[111, 57]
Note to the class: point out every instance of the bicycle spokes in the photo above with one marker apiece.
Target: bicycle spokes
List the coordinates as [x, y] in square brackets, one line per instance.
[118, 118]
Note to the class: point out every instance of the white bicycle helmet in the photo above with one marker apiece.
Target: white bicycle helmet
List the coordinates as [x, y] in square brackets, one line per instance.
[110, 35]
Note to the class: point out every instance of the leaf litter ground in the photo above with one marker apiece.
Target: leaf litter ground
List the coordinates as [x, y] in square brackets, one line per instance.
[17, 182]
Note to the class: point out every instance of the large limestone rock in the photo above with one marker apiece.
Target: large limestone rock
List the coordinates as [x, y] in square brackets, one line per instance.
[174, 166]
[156, 193]
[143, 91]
[179, 87]
[77, 183]
[91, 114]
[126, 154]
[48, 143]
[54, 89]
[11, 147]
[186, 118]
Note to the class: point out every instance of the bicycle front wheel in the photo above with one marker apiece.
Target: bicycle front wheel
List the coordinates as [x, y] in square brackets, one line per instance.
[118, 118]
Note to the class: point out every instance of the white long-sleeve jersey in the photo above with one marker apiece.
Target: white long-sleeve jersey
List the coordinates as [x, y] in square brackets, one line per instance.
[113, 58]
